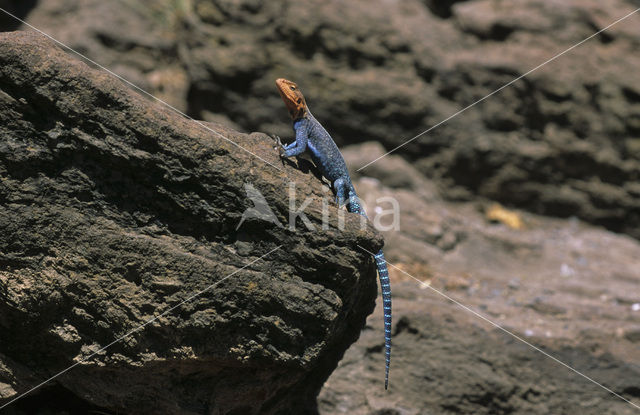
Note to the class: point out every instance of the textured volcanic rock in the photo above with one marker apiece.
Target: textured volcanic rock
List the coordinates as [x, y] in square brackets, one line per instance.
[113, 211]
[563, 141]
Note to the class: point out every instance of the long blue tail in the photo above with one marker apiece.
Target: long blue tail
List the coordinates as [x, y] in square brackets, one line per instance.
[383, 275]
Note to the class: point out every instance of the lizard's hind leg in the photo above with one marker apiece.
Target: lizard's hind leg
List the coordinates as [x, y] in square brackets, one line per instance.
[354, 202]
[341, 191]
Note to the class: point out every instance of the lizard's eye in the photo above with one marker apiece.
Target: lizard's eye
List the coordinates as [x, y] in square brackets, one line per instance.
[293, 88]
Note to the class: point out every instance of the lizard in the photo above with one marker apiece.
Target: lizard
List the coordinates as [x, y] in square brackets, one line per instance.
[312, 137]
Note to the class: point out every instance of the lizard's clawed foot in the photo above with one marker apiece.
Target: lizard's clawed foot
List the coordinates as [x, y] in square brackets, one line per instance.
[279, 146]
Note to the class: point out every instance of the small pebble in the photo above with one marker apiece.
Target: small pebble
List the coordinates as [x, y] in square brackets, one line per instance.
[567, 271]
[635, 307]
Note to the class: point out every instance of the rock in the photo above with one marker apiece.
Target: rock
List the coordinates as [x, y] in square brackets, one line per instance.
[633, 335]
[564, 286]
[116, 210]
[392, 171]
[560, 142]
[563, 141]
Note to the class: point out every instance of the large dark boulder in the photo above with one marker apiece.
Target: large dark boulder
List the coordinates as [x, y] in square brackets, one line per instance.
[113, 210]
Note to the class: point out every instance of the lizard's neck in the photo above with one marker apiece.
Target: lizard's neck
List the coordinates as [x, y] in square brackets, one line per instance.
[304, 114]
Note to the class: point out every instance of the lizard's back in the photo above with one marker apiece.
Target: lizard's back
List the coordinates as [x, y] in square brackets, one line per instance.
[324, 151]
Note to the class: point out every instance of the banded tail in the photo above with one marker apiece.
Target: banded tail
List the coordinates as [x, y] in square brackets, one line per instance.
[383, 274]
[385, 286]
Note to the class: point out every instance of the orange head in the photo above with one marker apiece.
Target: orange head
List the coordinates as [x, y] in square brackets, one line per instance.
[292, 98]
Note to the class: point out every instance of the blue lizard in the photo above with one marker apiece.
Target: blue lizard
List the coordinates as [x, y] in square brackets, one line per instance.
[311, 135]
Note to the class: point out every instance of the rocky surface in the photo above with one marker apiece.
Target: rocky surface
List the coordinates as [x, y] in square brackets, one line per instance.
[564, 141]
[115, 210]
[563, 286]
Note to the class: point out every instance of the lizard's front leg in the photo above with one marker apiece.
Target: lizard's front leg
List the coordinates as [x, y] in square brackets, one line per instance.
[298, 146]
